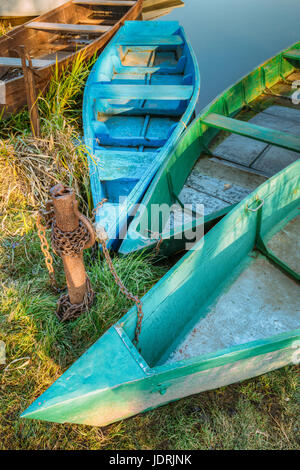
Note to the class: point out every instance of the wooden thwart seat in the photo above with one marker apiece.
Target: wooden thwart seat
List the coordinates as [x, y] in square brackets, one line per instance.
[174, 40]
[16, 62]
[293, 54]
[263, 134]
[144, 92]
[105, 2]
[68, 28]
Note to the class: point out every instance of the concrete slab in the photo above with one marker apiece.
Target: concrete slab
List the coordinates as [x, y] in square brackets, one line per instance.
[274, 159]
[247, 151]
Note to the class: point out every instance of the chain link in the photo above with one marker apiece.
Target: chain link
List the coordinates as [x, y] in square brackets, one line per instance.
[66, 311]
[124, 290]
[157, 246]
[69, 243]
[157, 236]
[98, 206]
[46, 216]
[102, 237]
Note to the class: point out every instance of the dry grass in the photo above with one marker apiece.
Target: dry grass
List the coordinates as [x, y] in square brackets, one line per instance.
[37, 164]
[5, 26]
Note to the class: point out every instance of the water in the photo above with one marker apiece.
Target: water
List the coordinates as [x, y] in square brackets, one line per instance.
[232, 37]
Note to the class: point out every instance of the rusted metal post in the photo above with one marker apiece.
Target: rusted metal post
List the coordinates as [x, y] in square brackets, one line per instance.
[30, 90]
[71, 233]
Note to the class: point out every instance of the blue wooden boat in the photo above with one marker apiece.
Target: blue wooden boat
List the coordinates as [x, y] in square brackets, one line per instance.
[227, 311]
[139, 97]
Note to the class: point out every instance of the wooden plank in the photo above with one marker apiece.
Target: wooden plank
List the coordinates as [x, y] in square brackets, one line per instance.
[173, 40]
[263, 134]
[16, 62]
[68, 28]
[98, 21]
[293, 54]
[147, 92]
[160, 69]
[112, 3]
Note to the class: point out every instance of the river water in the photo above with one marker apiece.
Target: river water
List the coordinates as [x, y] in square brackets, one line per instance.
[231, 37]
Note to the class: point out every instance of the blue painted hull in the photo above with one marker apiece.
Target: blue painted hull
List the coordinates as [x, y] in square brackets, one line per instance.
[138, 99]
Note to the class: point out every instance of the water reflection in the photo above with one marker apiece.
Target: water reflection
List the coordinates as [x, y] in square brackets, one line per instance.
[153, 9]
[232, 37]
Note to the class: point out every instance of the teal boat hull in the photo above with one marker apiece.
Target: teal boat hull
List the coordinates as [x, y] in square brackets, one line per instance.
[114, 380]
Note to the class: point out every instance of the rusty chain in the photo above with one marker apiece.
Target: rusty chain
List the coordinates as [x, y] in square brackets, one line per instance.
[46, 215]
[124, 290]
[69, 243]
[66, 311]
[98, 206]
[102, 237]
[157, 236]
[63, 244]
[157, 246]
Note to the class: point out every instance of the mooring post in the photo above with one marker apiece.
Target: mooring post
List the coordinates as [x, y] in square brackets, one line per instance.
[71, 234]
[30, 90]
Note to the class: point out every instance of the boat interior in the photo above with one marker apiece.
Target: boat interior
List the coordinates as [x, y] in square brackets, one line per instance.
[239, 287]
[259, 301]
[141, 89]
[60, 33]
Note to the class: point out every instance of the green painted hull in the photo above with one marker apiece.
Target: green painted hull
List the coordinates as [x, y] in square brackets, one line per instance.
[113, 380]
[253, 90]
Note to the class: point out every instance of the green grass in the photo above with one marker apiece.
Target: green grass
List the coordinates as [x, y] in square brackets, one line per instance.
[262, 413]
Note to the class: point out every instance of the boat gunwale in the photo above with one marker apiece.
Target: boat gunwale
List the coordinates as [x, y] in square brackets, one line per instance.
[194, 365]
[214, 359]
[234, 353]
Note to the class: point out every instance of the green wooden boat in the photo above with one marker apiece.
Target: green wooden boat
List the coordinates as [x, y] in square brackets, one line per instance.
[153, 9]
[247, 134]
[227, 311]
